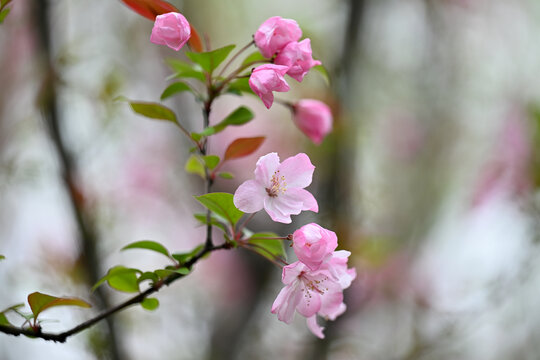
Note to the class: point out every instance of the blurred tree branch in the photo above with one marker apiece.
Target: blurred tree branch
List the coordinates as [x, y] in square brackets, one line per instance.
[62, 337]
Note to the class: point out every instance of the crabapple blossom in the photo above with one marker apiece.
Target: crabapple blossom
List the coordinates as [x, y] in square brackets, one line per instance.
[297, 56]
[314, 244]
[310, 293]
[313, 118]
[278, 188]
[171, 29]
[336, 265]
[267, 78]
[275, 33]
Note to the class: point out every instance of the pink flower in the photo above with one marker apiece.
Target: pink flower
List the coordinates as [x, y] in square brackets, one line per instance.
[313, 118]
[297, 56]
[171, 29]
[336, 265]
[314, 244]
[310, 293]
[267, 78]
[278, 188]
[275, 33]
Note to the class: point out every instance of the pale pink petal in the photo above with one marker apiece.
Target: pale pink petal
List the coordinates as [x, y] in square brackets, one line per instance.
[332, 301]
[310, 303]
[315, 328]
[298, 171]
[275, 213]
[286, 302]
[249, 197]
[291, 272]
[299, 196]
[265, 168]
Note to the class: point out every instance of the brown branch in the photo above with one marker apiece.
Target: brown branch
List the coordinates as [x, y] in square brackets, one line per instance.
[62, 337]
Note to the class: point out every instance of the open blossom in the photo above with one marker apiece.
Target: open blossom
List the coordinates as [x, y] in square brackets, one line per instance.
[313, 118]
[278, 188]
[267, 78]
[298, 57]
[314, 244]
[310, 293]
[171, 29]
[275, 33]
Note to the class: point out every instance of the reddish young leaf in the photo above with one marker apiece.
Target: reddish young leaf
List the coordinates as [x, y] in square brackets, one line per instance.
[243, 147]
[194, 41]
[150, 8]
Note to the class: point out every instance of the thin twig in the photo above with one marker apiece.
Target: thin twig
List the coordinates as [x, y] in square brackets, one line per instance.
[252, 42]
[62, 337]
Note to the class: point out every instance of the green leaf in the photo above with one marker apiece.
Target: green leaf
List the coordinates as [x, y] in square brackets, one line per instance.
[149, 245]
[214, 220]
[183, 270]
[195, 166]
[4, 321]
[148, 275]
[163, 273]
[253, 57]
[120, 278]
[238, 117]
[153, 111]
[4, 3]
[322, 70]
[209, 61]
[240, 86]
[185, 70]
[2, 257]
[183, 258]
[40, 302]
[226, 175]
[196, 137]
[173, 89]
[150, 304]
[3, 14]
[222, 204]
[243, 147]
[211, 161]
[269, 248]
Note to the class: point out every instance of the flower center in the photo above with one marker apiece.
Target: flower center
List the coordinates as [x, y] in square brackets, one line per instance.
[278, 185]
[312, 285]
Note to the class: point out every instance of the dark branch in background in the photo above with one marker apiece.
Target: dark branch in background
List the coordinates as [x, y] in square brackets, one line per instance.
[340, 184]
[48, 102]
[62, 337]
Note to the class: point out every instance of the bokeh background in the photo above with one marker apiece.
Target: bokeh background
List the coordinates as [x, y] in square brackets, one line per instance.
[430, 178]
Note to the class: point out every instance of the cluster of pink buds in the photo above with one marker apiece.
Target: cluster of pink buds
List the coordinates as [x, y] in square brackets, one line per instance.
[277, 39]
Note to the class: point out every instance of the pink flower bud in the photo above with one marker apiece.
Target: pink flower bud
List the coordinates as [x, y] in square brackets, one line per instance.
[314, 244]
[275, 33]
[297, 56]
[171, 29]
[267, 78]
[314, 118]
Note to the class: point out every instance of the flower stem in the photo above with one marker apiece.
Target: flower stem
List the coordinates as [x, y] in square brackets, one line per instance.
[252, 42]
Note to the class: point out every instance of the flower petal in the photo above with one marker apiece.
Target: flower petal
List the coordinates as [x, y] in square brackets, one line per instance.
[297, 170]
[310, 303]
[315, 328]
[265, 168]
[286, 303]
[249, 197]
[275, 212]
[297, 195]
